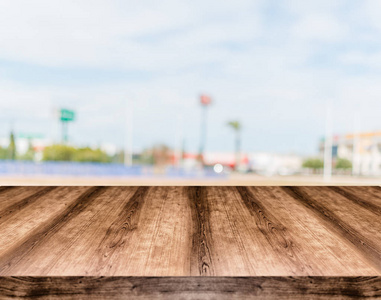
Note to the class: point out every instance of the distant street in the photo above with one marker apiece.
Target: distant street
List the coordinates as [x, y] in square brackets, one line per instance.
[234, 179]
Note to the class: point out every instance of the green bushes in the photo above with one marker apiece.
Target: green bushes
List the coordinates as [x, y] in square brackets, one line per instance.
[340, 165]
[69, 153]
[90, 155]
[313, 163]
[58, 153]
[3, 153]
[343, 163]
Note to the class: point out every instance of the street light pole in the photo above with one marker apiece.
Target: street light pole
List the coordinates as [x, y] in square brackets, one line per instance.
[129, 133]
[328, 145]
[355, 147]
[178, 140]
[205, 102]
[64, 132]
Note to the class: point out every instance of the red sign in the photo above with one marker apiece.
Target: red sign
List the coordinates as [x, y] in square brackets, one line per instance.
[205, 100]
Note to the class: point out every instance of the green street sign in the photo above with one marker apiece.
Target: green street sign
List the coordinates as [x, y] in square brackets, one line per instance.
[67, 115]
[30, 135]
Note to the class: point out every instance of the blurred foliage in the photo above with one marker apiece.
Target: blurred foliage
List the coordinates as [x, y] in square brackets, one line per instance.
[236, 125]
[3, 153]
[313, 163]
[144, 158]
[90, 155]
[343, 163]
[10, 151]
[157, 155]
[58, 153]
[69, 153]
[12, 147]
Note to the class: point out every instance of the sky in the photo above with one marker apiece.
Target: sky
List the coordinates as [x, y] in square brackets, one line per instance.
[274, 65]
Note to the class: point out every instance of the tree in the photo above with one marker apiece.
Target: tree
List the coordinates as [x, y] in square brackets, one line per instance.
[3, 153]
[68, 153]
[90, 155]
[343, 163]
[236, 126]
[12, 147]
[58, 153]
[313, 163]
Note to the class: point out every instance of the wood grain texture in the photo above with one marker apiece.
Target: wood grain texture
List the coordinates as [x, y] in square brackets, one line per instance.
[201, 260]
[190, 287]
[190, 231]
[363, 233]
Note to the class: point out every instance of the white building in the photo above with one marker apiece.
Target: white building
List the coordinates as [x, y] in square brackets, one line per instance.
[362, 149]
[270, 164]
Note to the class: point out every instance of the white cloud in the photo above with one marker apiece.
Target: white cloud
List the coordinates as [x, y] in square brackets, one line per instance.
[104, 33]
[319, 27]
[368, 60]
[303, 7]
[256, 67]
[371, 12]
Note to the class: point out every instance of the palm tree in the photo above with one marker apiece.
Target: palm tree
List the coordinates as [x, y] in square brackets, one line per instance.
[236, 126]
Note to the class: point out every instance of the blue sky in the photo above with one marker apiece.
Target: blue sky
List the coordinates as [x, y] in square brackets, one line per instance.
[274, 65]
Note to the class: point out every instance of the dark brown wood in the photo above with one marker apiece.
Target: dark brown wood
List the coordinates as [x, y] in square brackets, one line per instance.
[121, 228]
[190, 231]
[190, 287]
[359, 197]
[16, 253]
[15, 207]
[201, 260]
[271, 228]
[216, 231]
[369, 246]
[255, 238]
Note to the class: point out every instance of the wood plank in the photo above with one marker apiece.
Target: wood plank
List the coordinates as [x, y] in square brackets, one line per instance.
[232, 239]
[22, 222]
[359, 196]
[10, 195]
[190, 231]
[320, 252]
[348, 220]
[191, 287]
[96, 229]
[23, 251]
[201, 260]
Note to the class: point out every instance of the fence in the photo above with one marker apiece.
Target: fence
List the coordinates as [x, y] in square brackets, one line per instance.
[26, 168]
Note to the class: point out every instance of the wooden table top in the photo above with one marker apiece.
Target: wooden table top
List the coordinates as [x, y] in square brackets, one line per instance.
[190, 231]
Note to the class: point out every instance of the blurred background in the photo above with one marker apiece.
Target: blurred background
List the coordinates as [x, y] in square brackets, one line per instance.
[190, 92]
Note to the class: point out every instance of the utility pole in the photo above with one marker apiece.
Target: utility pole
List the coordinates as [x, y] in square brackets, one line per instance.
[355, 148]
[328, 145]
[66, 116]
[205, 102]
[12, 144]
[179, 127]
[129, 134]
[64, 132]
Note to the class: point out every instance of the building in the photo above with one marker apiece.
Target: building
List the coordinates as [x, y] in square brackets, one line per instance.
[270, 164]
[362, 149]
